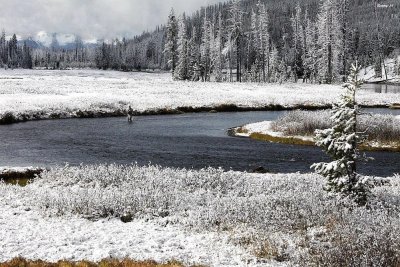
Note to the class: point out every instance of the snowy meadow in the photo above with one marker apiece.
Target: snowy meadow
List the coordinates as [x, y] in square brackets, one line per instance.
[40, 94]
[207, 217]
[210, 216]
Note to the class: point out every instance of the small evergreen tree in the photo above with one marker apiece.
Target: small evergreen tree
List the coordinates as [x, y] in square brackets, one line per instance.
[340, 142]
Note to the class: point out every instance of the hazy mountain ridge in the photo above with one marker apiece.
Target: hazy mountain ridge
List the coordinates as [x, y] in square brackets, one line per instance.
[57, 41]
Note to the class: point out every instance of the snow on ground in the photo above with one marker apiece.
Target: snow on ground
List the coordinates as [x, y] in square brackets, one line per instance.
[24, 232]
[368, 74]
[210, 217]
[27, 231]
[49, 93]
[264, 127]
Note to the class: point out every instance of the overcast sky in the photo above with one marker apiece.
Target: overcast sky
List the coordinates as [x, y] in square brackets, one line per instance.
[90, 18]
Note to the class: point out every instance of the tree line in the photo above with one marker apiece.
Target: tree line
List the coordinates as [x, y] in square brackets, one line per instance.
[316, 46]
[252, 40]
[13, 55]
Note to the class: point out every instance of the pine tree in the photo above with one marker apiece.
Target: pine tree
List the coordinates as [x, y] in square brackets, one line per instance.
[340, 142]
[3, 48]
[205, 48]
[13, 51]
[344, 30]
[218, 50]
[329, 41]
[311, 50]
[265, 47]
[254, 45]
[171, 43]
[236, 34]
[298, 38]
[193, 57]
[273, 75]
[181, 71]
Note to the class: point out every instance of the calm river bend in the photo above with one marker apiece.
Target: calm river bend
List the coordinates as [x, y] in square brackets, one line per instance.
[189, 140]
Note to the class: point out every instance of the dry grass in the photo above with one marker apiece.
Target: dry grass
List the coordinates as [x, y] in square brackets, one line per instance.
[290, 140]
[281, 139]
[20, 262]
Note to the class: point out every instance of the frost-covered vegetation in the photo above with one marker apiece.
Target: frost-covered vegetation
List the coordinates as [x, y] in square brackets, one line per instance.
[283, 217]
[28, 95]
[341, 142]
[380, 128]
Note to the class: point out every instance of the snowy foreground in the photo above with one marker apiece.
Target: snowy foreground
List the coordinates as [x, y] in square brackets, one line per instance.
[35, 94]
[206, 217]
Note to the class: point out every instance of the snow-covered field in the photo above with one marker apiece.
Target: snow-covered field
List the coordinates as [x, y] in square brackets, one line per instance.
[206, 217]
[33, 94]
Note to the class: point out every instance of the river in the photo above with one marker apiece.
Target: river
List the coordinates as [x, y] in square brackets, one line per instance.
[381, 88]
[189, 140]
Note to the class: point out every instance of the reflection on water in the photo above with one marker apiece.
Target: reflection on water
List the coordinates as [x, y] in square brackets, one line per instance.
[382, 88]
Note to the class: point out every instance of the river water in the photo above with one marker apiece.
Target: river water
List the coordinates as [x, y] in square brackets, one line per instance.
[381, 88]
[189, 140]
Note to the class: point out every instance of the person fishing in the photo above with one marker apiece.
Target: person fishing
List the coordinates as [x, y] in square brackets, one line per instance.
[130, 114]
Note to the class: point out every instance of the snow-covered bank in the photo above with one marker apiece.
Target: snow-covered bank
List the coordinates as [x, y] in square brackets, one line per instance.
[298, 127]
[38, 94]
[391, 71]
[19, 175]
[5, 169]
[264, 127]
[206, 217]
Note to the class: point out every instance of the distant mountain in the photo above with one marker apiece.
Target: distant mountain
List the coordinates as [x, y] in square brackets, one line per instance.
[31, 43]
[57, 41]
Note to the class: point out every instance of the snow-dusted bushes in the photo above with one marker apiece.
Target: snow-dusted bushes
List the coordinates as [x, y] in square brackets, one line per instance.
[301, 122]
[381, 128]
[279, 216]
[358, 238]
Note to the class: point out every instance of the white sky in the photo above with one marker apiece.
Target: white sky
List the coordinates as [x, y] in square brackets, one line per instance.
[90, 18]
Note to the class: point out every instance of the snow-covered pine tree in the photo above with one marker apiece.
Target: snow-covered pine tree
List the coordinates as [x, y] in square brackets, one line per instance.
[3, 48]
[311, 50]
[254, 45]
[193, 56]
[297, 27]
[236, 33]
[264, 42]
[340, 143]
[273, 73]
[181, 71]
[329, 41]
[205, 48]
[218, 44]
[344, 30]
[171, 43]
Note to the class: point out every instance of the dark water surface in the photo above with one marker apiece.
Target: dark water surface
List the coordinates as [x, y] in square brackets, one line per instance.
[381, 88]
[190, 141]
